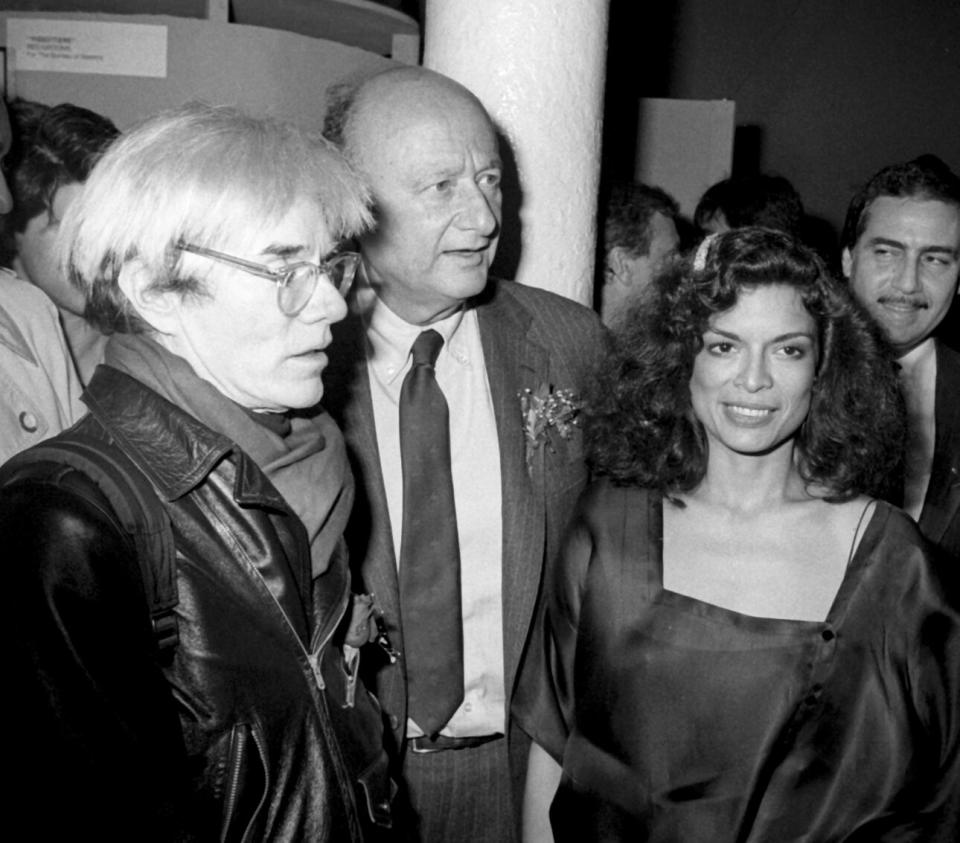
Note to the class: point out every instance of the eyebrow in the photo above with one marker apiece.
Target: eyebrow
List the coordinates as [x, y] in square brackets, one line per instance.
[781, 338]
[926, 250]
[283, 250]
[449, 168]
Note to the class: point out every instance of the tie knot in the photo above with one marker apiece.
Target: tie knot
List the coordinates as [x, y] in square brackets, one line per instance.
[426, 348]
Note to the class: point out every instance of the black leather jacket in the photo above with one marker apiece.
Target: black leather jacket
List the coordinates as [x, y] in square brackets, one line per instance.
[233, 738]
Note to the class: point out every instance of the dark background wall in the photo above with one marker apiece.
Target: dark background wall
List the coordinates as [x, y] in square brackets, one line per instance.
[826, 91]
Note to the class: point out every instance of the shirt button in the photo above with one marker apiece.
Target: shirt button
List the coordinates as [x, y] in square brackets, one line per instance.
[28, 421]
[467, 707]
[394, 721]
[828, 635]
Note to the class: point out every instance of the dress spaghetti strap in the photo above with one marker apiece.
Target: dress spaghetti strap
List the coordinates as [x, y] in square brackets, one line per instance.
[868, 507]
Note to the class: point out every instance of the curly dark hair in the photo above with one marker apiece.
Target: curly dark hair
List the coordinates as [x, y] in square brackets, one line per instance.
[640, 427]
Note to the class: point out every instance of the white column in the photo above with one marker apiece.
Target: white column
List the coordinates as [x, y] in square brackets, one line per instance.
[538, 67]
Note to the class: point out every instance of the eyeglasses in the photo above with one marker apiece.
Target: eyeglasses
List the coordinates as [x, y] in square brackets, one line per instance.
[295, 282]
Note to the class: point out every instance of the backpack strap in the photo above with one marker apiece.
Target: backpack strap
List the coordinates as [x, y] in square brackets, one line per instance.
[139, 510]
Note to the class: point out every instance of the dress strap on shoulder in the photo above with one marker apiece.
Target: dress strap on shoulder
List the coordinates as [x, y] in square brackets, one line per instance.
[868, 507]
[642, 545]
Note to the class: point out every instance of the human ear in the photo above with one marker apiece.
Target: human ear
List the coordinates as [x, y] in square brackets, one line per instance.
[846, 261]
[158, 308]
[619, 265]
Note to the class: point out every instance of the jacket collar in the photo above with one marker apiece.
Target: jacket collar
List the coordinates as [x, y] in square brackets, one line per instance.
[170, 446]
[10, 334]
[943, 493]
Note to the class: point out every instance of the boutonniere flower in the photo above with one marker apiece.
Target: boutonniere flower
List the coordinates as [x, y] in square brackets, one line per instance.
[546, 413]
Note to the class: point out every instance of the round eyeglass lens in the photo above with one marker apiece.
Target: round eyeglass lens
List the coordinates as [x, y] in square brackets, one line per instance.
[296, 292]
[342, 270]
[300, 282]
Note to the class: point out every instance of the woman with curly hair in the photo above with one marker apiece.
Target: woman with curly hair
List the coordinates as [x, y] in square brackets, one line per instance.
[738, 643]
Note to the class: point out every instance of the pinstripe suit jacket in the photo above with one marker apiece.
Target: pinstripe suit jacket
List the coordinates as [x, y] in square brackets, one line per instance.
[529, 337]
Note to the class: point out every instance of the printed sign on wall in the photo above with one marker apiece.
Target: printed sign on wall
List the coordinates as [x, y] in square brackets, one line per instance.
[70, 46]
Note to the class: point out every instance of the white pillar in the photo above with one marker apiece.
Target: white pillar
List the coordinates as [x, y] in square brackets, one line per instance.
[538, 66]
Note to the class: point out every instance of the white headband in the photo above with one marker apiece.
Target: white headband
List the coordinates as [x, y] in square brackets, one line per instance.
[700, 258]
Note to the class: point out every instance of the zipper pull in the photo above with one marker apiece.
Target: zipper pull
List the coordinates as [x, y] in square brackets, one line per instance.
[351, 669]
[314, 659]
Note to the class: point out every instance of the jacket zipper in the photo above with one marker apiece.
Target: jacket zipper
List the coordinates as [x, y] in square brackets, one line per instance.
[313, 655]
[239, 754]
[313, 658]
[232, 786]
[266, 784]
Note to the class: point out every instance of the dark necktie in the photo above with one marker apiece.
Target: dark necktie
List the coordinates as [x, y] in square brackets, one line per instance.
[429, 546]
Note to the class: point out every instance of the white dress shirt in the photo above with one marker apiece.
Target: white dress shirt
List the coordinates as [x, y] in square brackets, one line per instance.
[918, 379]
[475, 465]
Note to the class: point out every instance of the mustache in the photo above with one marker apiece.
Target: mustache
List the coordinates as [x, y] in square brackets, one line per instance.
[910, 301]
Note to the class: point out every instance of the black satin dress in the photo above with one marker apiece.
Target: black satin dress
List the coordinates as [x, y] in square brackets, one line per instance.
[678, 720]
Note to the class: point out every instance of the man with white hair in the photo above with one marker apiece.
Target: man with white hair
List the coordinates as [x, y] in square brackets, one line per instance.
[207, 243]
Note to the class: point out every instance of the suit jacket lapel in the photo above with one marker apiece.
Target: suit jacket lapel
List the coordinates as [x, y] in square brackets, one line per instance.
[348, 396]
[942, 501]
[513, 363]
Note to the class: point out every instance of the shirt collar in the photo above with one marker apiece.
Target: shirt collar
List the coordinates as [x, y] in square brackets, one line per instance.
[391, 337]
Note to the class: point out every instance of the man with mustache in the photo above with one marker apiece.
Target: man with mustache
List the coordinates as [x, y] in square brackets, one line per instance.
[901, 254]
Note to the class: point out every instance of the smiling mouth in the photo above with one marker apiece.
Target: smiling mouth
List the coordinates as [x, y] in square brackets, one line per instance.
[739, 411]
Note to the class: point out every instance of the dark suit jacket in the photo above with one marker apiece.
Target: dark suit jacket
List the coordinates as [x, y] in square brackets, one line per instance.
[940, 516]
[530, 337]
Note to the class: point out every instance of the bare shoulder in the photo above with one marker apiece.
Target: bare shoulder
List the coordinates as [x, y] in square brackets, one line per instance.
[844, 515]
[787, 561]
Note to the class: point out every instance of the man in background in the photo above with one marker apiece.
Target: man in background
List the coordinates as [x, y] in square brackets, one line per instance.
[39, 390]
[759, 199]
[55, 147]
[639, 234]
[901, 254]
[457, 395]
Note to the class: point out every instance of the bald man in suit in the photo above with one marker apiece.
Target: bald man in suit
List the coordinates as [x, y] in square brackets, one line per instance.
[430, 154]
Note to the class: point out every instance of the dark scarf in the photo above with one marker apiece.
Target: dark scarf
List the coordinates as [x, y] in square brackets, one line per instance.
[307, 465]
